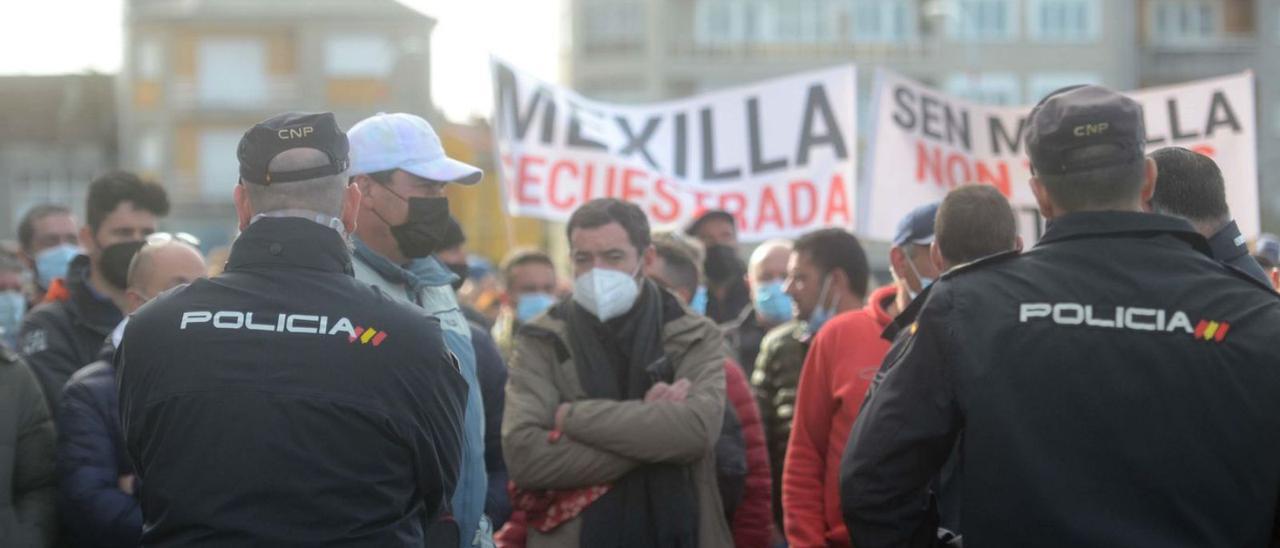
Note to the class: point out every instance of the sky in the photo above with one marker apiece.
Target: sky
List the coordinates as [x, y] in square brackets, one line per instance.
[39, 39]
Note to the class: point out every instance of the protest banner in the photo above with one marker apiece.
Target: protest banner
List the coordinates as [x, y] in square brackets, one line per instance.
[926, 142]
[780, 155]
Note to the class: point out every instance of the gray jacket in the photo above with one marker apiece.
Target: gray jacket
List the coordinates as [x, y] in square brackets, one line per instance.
[26, 458]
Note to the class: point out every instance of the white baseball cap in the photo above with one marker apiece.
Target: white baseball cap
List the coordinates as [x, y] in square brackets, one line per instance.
[403, 141]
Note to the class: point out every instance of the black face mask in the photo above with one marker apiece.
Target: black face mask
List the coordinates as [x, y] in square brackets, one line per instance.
[723, 265]
[114, 262]
[461, 270]
[423, 231]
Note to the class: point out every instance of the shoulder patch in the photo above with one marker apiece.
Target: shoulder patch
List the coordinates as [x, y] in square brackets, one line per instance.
[33, 342]
[980, 263]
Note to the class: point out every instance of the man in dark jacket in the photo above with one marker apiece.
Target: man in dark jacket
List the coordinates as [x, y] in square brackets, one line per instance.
[1189, 185]
[26, 458]
[283, 402]
[97, 487]
[1115, 385]
[60, 337]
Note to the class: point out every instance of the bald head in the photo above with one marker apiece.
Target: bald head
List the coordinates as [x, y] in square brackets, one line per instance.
[160, 267]
[768, 262]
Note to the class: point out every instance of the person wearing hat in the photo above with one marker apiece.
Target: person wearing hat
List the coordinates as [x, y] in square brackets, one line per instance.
[401, 169]
[1114, 385]
[284, 402]
[909, 261]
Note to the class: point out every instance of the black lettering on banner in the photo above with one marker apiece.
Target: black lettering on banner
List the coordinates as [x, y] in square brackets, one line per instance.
[709, 172]
[759, 165]
[1175, 126]
[904, 116]
[508, 102]
[958, 129]
[680, 143]
[1000, 138]
[1220, 106]
[816, 103]
[638, 142]
[575, 130]
[929, 109]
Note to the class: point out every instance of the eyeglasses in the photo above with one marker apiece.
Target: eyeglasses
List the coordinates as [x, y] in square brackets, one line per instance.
[159, 238]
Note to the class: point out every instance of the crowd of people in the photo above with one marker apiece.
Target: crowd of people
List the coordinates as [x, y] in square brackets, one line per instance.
[336, 382]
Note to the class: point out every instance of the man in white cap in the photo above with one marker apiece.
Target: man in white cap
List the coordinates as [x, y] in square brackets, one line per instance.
[401, 169]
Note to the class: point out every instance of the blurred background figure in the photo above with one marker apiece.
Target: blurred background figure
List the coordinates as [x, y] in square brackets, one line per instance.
[528, 289]
[80, 310]
[27, 481]
[909, 261]
[97, 485]
[727, 293]
[48, 238]
[13, 301]
[770, 305]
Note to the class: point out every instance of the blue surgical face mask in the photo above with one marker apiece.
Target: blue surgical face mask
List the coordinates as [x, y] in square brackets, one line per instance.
[822, 312]
[529, 305]
[52, 263]
[12, 306]
[699, 301]
[924, 281]
[772, 302]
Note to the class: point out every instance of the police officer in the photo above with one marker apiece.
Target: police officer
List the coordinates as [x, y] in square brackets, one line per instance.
[283, 402]
[1115, 385]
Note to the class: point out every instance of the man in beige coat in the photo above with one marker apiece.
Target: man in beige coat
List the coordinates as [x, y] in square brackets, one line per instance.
[615, 402]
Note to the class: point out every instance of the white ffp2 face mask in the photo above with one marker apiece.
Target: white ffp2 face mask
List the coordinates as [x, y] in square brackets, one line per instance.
[605, 293]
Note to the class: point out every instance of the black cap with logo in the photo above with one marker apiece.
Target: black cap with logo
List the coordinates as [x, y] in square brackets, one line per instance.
[1073, 119]
[268, 138]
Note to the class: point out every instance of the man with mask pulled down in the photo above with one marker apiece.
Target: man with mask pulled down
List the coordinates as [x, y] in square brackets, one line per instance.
[615, 402]
[59, 337]
[401, 169]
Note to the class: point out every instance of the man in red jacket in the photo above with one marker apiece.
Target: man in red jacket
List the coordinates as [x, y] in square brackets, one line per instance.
[842, 361]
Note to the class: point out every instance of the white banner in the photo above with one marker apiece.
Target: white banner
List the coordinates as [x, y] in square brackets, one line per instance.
[780, 155]
[926, 142]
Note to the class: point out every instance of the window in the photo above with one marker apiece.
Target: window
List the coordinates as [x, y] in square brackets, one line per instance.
[987, 88]
[149, 59]
[731, 22]
[1039, 85]
[150, 151]
[219, 170]
[359, 56]
[884, 21]
[806, 21]
[613, 24]
[1064, 20]
[232, 72]
[1182, 21]
[985, 20]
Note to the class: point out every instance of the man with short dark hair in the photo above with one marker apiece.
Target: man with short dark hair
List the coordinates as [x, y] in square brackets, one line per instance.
[401, 168]
[845, 353]
[727, 292]
[97, 486]
[48, 239]
[1189, 185]
[1068, 370]
[628, 435]
[61, 336]
[528, 289]
[335, 410]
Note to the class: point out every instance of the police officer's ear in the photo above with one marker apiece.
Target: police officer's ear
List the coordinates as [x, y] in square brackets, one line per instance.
[1047, 210]
[935, 257]
[244, 210]
[351, 207]
[1017, 244]
[1149, 185]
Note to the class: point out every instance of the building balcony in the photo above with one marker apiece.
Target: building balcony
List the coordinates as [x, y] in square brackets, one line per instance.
[272, 93]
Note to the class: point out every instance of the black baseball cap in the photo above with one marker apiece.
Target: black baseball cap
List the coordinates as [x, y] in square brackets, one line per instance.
[917, 226]
[1070, 120]
[692, 229]
[268, 138]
